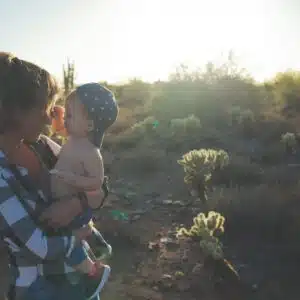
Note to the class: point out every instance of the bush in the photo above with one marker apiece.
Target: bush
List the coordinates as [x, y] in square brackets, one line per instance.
[290, 142]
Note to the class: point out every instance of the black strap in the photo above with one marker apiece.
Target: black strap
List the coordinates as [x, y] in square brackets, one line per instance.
[44, 153]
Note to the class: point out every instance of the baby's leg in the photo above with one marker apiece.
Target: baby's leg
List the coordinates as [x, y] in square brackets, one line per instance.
[96, 239]
[80, 260]
[96, 273]
[103, 247]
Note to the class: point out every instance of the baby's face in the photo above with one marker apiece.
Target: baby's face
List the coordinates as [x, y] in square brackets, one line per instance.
[76, 121]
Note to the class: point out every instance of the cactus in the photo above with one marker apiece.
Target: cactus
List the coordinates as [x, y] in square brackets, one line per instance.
[246, 116]
[205, 228]
[145, 127]
[290, 141]
[241, 116]
[185, 125]
[69, 77]
[199, 165]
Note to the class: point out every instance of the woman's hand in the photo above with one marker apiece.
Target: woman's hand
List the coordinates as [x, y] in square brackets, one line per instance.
[61, 213]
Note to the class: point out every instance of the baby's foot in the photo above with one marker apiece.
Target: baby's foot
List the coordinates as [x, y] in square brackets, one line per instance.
[104, 250]
[95, 280]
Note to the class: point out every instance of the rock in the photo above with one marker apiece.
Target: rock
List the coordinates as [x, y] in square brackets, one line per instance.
[153, 246]
[179, 203]
[166, 282]
[197, 268]
[166, 240]
[135, 218]
[167, 202]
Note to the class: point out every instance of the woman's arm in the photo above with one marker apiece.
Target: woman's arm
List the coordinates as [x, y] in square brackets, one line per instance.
[23, 229]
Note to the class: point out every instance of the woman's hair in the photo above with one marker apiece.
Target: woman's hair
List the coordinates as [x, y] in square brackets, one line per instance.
[23, 86]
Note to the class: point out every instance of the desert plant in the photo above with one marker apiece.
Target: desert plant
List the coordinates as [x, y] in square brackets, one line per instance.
[241, 116]
[145, 127]
[183, 126]
[285, 87]
[69, 76]
[205, 228]
[199, 166]
[246, 116]
[290, 142]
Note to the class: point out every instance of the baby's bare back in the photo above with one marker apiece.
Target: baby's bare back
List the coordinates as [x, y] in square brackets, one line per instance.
[66, 162]
[81, 159]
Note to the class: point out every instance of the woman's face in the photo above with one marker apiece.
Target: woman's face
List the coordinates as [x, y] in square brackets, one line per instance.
[33, 121]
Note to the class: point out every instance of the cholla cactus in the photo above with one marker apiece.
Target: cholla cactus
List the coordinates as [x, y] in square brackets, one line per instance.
[199, 165]
[205, 228]
[290, 141]
[212, 248]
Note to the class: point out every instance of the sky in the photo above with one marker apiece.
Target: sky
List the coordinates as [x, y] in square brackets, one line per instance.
[115, 40]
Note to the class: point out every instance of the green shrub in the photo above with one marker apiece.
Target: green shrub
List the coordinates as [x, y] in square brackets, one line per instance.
[289, 140]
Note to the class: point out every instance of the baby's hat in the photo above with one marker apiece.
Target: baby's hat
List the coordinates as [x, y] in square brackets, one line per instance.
[102, 109]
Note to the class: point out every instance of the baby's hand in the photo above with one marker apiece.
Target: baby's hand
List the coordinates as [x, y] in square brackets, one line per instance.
[82, 233]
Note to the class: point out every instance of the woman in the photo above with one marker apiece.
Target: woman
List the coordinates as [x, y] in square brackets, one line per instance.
[27, 94]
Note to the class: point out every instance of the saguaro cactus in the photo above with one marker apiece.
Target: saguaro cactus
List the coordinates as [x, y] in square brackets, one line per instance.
[69, 75]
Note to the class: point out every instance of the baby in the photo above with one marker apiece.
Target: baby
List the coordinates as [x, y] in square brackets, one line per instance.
[90, 110]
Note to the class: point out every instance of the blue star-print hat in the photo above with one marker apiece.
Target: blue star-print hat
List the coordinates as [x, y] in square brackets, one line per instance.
[101, 107]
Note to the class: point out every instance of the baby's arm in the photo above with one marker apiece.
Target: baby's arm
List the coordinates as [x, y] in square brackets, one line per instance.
[93, 172]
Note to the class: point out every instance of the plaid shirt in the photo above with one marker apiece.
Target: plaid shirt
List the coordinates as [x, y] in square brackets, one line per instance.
[33, 253]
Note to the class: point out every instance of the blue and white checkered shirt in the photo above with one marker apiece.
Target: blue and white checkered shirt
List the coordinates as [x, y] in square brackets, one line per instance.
[33, 253]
